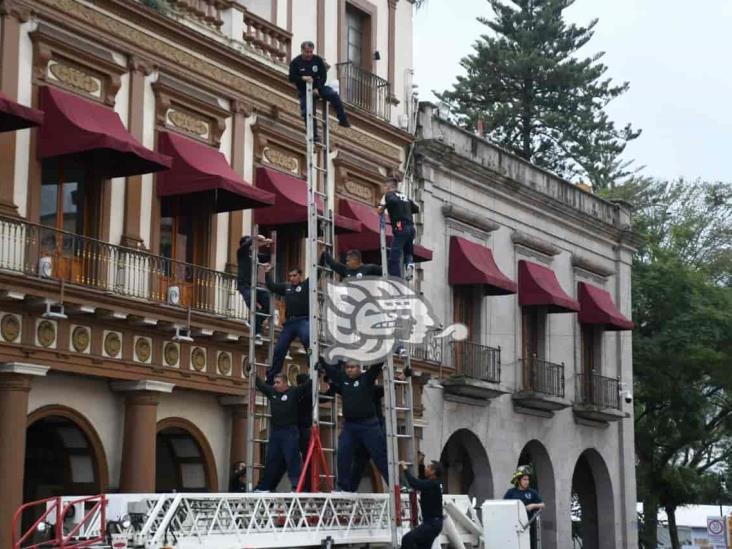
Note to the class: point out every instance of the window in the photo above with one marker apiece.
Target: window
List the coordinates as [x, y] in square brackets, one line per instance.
[589, 343]
[532, 328]
[290, 250]
[466, 309]
[69, 202]
[183, 238]
[356, 38]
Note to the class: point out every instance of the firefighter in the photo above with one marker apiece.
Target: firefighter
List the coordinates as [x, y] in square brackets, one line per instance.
[430, 501]
[353, 267]
[244, 278]
[400, 209]
[531, 498]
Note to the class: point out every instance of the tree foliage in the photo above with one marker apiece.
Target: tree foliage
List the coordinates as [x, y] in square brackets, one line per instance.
[682, 347]
[532, 93]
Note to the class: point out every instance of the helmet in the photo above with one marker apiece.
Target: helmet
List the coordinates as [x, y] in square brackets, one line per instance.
[522, 471]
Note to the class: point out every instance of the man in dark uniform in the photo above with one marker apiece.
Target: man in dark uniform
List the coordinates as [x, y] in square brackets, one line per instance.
[238, 479]
[360, 425]
[360, 454]
[244, 278]
[297, 298]
[531, 498]
[283, 437]
[400, 208]
[353, 267]
[430, 500]
[308, 67]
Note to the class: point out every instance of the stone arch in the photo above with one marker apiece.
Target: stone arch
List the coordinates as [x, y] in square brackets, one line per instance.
[535, 454]
[184, 459]
[467, 469]
[593, 502]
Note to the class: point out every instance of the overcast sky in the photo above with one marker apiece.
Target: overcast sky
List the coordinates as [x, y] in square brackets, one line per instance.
[676, 55]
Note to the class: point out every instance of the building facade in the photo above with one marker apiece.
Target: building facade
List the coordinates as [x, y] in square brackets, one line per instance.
[539, 271]
[166, 124]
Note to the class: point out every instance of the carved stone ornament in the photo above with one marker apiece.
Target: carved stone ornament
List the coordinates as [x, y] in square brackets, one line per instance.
[189, 123]
[360, 191]
[10, 328]
[224, 364]
[143, 349]
[244, 366]
[80, 339]
[46, 333]
[281, 159]
[75, 78]
[198, 359]
[112, 344]
[171, 353]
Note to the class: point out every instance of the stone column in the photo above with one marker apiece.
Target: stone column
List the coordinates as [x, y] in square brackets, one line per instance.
[391, 73]
[237, 406]
[15, 384]
[238, 142]
[11, 17]
[138, 446]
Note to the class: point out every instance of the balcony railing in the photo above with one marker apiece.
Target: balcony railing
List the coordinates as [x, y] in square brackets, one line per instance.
[476, 361]
[430, 350]
[364, 90]
[204, 12]
[596, 390]
[540, 376]
[45, 252]
[267, 39]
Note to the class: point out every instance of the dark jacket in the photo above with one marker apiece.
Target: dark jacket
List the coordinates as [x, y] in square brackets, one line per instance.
[528, 496]
[430, 496]
[366, 269]
[284, 407]
[358, 394]
[315, 68]
[244, 262]
[296, 297]
[399, 206]
[305, 414]
[237, 482]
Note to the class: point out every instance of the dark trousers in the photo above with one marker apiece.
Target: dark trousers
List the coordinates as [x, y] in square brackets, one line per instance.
[402, 248]
[282, 450]
[332, 97]
[262, 301]
[361, 461]
[369, 435]
[423, 535]
[294, 328]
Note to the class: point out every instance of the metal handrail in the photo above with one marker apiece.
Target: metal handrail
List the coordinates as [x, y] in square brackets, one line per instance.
[365, 90]
[542, 376]
[596, 390]
[476, 361]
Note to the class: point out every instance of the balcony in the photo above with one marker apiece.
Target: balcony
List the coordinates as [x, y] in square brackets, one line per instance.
[430, 350]
[477, 374]
[597, 398]
[47, 253]
[542, 386]
[364, 90]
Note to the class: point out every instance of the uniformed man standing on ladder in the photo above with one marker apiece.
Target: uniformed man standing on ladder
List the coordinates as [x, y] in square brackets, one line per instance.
[353, 266]
[244, 282]
[401, 209]
[430, 500]
[296, 293]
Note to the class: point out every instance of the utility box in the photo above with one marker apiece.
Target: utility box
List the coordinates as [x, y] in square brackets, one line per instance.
[505, 524]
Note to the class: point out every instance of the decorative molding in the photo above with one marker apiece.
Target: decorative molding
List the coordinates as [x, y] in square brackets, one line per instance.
[189, 123]
[46, 333]
[143, 349]
[15, 9]
[534, 243]
[142, 385]
[198, 359]
[279, 158]
[23, 368]
[112, 344]
[463, 215]
[171, 354]
[139, 64]
[11, 327]
[587, 264]
[80, 339]
[75, 78]
[274, 144]
[223, 363]
[359, 178]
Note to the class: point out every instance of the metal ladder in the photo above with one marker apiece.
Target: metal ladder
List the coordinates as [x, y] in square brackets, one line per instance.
[321, 457]
[257, 412]
[399, 415]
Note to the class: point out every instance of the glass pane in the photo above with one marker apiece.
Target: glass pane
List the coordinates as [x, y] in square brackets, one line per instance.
[192, 475]
[184, 447]
[82, 469]
[48, 205]
[72, 437]
[166, 237]
[185, 239]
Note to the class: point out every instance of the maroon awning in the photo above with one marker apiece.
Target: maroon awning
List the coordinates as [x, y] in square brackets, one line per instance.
[473, 265]
[368, 240]
[94, 135]
[538, 286]
[201, 175]
[14, 116]
[597, 307]
[291, 202]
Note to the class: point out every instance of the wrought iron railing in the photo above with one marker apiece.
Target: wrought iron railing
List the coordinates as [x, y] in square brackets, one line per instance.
[46, 252]
[364, 90]
[476, 361]
[430, 350]
[541, 376]
[596, 390]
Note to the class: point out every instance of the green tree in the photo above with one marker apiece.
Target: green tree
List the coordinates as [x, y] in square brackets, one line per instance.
[682, 347]
[529, 91]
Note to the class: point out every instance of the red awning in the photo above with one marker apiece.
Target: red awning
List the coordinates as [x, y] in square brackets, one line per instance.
[368, 239]
[473, 264]
[597, 307]
[14, 116]
[94, 135]
[538, 286]
[291, 202]
[201, 175]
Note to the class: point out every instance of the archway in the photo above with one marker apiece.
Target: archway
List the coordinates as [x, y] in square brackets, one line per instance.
[63, 456]
[535, 455]
[467, 470]
[593, 517]
[184, 461]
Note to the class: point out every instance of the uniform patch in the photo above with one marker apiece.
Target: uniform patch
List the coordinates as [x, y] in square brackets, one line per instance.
[298, 289]
[355, 383]
[284, 398]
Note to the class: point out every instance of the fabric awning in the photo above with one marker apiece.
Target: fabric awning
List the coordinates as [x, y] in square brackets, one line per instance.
[201, 175]
[94, 135]
[538, 286]
[597, 307]
[473, 264]
[368, 240]
[291, 202]
[14, 116]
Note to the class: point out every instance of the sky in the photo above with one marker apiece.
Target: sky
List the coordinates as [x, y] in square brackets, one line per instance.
[676, 54]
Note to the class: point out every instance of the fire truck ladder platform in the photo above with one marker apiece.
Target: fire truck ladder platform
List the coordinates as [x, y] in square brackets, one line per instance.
[235, 521]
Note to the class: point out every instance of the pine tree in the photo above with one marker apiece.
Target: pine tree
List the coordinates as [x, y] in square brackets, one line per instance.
[528, 91]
